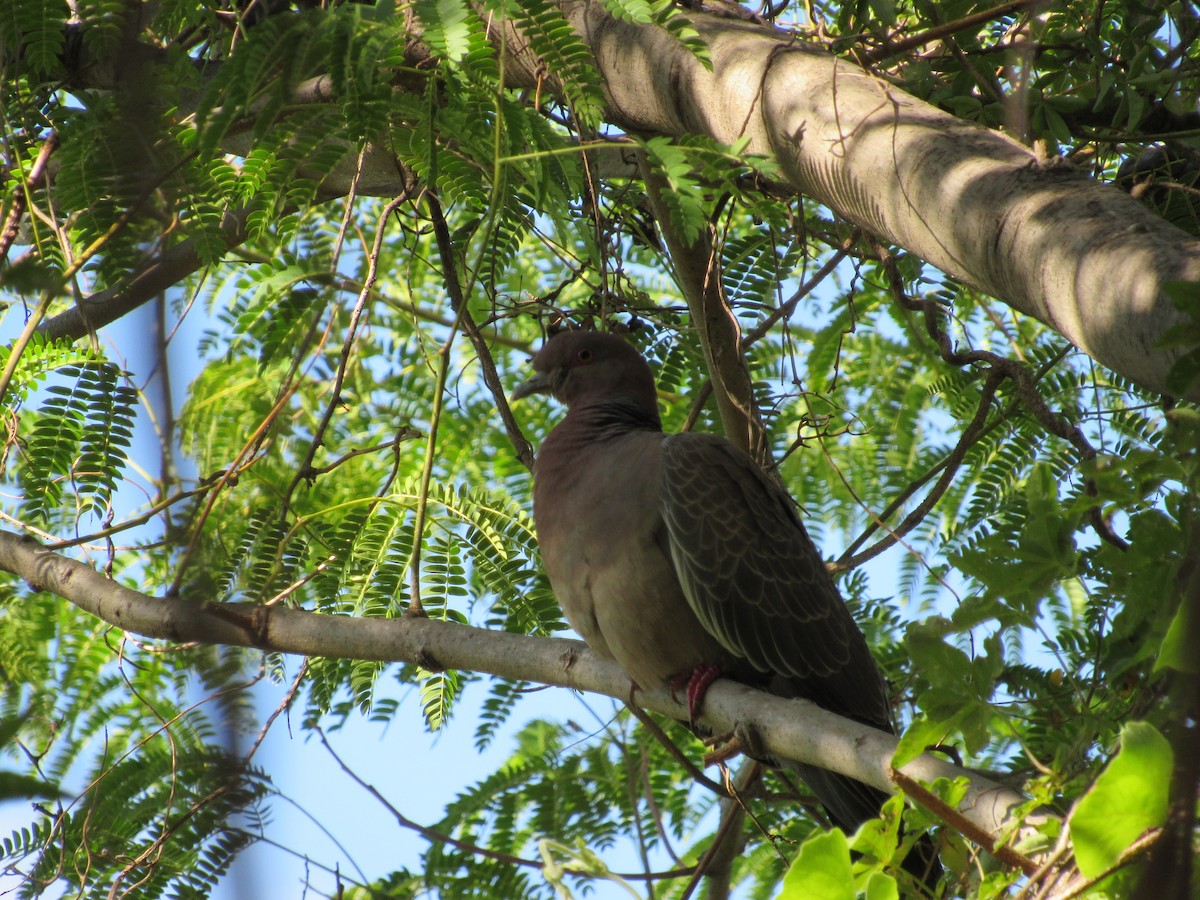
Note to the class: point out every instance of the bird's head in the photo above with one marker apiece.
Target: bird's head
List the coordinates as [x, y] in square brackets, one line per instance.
[582, 368]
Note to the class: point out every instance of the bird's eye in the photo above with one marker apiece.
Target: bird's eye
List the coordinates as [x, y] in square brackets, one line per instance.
[584, 355]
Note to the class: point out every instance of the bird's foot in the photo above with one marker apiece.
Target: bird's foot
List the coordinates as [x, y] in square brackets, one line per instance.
[634, 687]
[697, 681]
[721, 749]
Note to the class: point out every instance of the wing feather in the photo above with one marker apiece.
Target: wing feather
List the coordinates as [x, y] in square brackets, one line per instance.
[755, 579]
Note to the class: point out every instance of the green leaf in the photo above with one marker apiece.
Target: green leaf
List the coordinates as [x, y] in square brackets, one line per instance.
[14, 786]
[1185, 296]
[885, 11]
[924, 732]
[680, 27]
[821, 869]
[447, 26]
[641, 11]
[1176, 653]
[1058, 128]
[881, 886]
[685, 200]
[939, 661]
[565, 53]
[1128, 797]
[1184, 373]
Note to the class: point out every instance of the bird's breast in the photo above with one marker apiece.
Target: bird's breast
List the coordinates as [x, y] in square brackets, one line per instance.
[600, 531]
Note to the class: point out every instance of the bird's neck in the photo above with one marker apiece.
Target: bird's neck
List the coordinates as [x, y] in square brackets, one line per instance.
[592, 422]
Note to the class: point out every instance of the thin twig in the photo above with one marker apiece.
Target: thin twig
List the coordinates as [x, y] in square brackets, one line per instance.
[156, 847]
[75, 264]
[147, 282]
[245, 457]
[142, 518]
[785, 309]
[948, 814]
[937, 32]
[404, 434]
[1053, 422]
[970, 435]
[1130, 854]
[1051, 862]
[655, 810]
[466, 846]
[880, 520]
[283, 705]
[441, 231]
[106, 768]
[696, 773]
[698, 401]
[304, 470]
[12, 222]
[702, 864]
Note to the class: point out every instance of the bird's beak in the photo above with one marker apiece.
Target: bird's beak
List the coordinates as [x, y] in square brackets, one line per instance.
[541, 383]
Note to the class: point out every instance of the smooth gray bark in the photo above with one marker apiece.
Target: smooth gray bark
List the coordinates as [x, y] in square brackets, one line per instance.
[1081, 256]
[795, 729]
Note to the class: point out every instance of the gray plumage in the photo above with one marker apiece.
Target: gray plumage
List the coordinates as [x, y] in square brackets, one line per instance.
[672, 552]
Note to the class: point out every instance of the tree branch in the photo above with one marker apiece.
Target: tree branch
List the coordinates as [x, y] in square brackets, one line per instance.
[936, 33]
[1083, 257]
[975, 428]
[11, 228]
[697, 271]
[793, 729]
[171, 267]
[1055, 423]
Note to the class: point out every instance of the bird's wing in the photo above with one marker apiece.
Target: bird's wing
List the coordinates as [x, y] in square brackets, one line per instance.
[756, 581]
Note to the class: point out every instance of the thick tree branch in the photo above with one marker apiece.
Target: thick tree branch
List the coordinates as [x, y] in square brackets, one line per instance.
[795, 729]
[1083, 257]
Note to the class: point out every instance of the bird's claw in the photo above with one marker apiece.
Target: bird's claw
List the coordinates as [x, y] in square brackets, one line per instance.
[721, 749]
[697, 681]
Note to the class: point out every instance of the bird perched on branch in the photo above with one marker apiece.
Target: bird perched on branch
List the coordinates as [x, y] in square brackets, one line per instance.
[678, 557]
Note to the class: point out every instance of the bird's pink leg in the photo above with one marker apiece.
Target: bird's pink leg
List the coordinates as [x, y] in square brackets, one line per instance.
[702, 676]
[698, 681]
